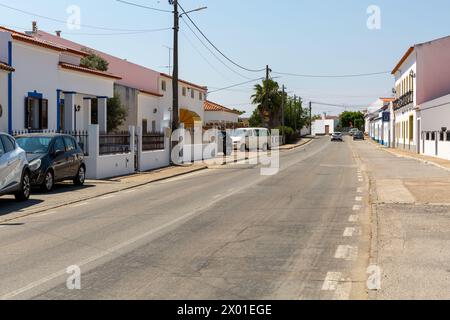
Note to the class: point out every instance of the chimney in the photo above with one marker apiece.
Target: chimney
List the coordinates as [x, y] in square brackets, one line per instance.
[58, 33]
[35, 27]
[324, 116]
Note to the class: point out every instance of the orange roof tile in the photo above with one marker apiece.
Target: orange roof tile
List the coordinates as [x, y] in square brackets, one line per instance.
[403, 59]
[23, 37]
[87, 70]
[211, 106]
[203, 88]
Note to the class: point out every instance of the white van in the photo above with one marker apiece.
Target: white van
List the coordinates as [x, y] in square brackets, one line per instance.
[252, 138]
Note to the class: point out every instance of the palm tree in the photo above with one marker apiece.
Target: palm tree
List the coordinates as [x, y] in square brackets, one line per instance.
[271, 111]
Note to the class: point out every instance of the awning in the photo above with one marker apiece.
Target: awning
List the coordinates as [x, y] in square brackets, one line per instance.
[189, 118]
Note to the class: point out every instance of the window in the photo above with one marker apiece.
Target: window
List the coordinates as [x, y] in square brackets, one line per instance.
[8, 145]
[2, 149]
[59, 145]
[448, 136]
[192, 93]
[153, 126]
[441, 136]
[144, 126]
[427, 136]
[433, 136]
[36, 114]
[184, 92]
[163, 85]
[200, 96]
[70, 144]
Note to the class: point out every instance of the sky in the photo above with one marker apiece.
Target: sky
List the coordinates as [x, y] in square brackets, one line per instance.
[315, 37]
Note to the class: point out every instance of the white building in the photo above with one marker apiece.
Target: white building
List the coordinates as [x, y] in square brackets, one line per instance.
[49, 89]
[220, 116]
[325, 126]
[378, 122]
[5, 75]
[423, 74]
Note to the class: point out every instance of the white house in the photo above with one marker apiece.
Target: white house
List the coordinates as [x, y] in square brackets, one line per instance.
[325, 126]
[378, 122]
[423, 74]
[220, 116]
[49, 89]
[5, 76]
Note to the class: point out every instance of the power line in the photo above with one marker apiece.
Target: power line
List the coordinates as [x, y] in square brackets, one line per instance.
[343, 106]
[67, 23]
[216, 48]
[332, 76]
[212, 52]
[144, 7]
[235, 85]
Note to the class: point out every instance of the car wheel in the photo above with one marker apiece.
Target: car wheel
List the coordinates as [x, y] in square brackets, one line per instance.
[81, 177]
[49, 182]
[25, 188]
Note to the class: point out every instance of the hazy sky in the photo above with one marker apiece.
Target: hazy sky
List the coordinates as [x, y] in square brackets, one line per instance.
[295, 36]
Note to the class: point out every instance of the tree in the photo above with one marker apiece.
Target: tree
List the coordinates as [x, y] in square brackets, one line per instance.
[255, 120]
[350, 119]
[270, 112]
[94, 61]
[117, 113]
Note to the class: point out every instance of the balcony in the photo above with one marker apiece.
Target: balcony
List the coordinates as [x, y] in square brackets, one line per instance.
[404, 100]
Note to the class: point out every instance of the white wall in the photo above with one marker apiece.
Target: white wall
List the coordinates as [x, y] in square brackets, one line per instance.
[4, 100]
[146, 106]
[318, 127]
[36, 70]
[221, 116]
[185, 102]
[84, 83]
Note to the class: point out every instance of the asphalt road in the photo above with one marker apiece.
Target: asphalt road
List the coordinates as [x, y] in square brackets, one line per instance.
[227, 233]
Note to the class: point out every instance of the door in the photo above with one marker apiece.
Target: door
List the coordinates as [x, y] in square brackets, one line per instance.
[327, 130]
[61, 164]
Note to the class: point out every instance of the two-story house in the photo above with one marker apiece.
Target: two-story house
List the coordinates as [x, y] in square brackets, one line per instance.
[423, 74]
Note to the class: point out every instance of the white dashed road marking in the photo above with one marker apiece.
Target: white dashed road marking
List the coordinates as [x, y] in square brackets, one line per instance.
[343, 291]
[353, 218]
[348, 253]
[356, 207]
[349, 232]
[331, 281]
[359, 199]
[359, 190]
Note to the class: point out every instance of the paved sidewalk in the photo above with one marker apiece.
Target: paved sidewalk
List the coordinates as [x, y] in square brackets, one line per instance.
[66, 193]
[300, 143]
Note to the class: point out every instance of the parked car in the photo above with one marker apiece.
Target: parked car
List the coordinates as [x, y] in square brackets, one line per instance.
[248, 138]
[53, 158]
[358, 136]
[14, 171]
[337, 136]
[353, 131]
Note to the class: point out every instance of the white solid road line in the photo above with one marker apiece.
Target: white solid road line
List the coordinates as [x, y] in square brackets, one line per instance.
[82, 204]
[108, 197]
[349, 232]
[349, 253]
[331, 281]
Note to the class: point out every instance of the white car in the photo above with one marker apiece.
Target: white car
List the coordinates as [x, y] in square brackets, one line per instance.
[14, 170]
[251, 138]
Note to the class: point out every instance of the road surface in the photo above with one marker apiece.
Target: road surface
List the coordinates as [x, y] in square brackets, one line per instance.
[226, 233]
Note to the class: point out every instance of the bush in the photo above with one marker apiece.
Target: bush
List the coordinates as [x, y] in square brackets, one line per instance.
[290, 134]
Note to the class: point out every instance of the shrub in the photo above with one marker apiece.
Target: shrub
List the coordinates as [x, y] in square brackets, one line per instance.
[289, 133]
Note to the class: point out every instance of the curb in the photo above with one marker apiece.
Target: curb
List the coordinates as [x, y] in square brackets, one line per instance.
[296, 146]
[3, 221]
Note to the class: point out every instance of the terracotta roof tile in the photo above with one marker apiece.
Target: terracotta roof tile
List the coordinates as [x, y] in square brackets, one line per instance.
[211, 106]
[87, 70]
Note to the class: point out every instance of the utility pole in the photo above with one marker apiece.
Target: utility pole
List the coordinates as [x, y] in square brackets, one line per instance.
[295, 113]
[266, 95]
[310, 118]
[282, 114]
[176, 29]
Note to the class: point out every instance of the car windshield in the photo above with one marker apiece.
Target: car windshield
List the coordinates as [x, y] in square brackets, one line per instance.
[238, 133]
[34, 144]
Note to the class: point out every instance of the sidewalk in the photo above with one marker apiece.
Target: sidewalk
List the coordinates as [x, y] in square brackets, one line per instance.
[67, 194]
[438, 162]
[300, 143]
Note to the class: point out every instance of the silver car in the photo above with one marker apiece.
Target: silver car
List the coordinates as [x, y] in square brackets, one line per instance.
[14, 170]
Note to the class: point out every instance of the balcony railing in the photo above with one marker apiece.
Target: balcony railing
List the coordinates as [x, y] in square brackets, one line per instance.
[404, 100]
